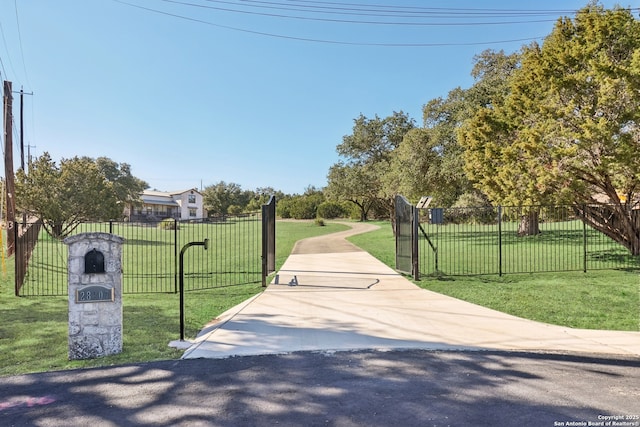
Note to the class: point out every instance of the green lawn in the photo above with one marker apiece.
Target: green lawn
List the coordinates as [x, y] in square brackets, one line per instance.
[473, 249]
[34, 330]
[598, 299]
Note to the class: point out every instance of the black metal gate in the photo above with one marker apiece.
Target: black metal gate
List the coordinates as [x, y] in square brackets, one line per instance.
[268, 239]
[406, 232]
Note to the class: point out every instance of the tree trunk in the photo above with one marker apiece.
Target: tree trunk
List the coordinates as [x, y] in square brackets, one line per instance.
[529, 224]
[363, 209]
[56, 230]
[618, 222]
[634, 246]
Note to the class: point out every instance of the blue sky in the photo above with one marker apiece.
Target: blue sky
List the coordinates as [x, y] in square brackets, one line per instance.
[194, 92]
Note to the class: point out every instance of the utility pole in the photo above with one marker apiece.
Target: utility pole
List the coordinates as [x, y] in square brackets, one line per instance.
[21, 129]
[8, 167]
[22, 94]
[24, 214]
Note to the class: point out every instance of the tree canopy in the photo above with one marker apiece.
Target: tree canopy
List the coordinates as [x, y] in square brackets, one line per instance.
[568, 129]
[354, 184]
[223, 197]
[368, 151]
[429, 160]
[78, 189]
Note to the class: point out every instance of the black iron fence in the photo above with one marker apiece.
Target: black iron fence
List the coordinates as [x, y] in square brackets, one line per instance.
[150, 255]
[502, 240]
[25, 238]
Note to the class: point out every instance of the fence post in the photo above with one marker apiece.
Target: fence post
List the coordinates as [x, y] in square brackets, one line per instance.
[175, 255]
[17, 260]
[500, 240]
[265, 250]
[415, 220]
[584, 238]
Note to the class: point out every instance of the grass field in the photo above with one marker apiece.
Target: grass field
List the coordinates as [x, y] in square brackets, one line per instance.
[598, 299]
[34, 330]
[474, 249]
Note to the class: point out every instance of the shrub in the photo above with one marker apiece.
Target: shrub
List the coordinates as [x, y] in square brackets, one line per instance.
[299, 207]
[319, 222]
[331, 210]
[472, 208]
[234, 210]
[283, 208]
[303, 208]
[168, 224]
[353, 210]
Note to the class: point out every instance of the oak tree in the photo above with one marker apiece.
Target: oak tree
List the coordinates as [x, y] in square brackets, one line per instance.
[367, 153]
[219, 197]
[78, 189]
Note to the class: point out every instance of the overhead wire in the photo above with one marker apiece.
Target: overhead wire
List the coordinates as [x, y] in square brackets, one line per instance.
[317, 40]
[342, 5]
[351, 21]
[393, 10]
[24, 65]
[13, 125]
[4, 41]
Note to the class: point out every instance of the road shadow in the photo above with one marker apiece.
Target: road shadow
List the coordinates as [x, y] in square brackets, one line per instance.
[408, 388]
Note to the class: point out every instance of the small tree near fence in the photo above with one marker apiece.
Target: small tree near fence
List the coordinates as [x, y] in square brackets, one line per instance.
[79, 189]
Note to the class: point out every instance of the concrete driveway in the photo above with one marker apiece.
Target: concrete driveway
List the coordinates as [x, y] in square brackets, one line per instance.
[331, 295]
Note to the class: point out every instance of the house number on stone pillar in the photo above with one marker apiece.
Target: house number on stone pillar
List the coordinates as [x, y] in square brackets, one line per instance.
[95, 295]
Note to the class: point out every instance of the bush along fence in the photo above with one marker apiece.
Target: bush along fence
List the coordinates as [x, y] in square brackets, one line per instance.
[150, 255]
[506, 240]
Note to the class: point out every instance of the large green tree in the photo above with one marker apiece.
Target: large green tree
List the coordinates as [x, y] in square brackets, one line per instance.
[430, 160]
[261, 196]
[220, 197]
[127, 187]
[353, 183]
[367, 152]
[569, 129]
[301, 206]
[78, 189]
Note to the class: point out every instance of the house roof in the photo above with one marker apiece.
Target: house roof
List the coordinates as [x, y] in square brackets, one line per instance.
[158, 198]
[173, 193]
[153, 197]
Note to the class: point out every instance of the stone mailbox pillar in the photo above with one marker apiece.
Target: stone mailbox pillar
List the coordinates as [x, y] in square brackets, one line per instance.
[95, 295]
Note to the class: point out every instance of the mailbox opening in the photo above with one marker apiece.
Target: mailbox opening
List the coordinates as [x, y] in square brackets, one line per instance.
[94, 262]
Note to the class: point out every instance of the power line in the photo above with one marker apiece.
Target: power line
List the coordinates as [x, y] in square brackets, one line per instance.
[24, 65]
[386, 10]
[353, 21]
[325, 41]
[351, 9]
[4, 40]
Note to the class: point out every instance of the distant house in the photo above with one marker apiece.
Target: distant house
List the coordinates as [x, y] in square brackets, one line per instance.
[158, 205]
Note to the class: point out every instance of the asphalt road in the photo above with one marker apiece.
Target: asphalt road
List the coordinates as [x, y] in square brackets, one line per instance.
[367, 388]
